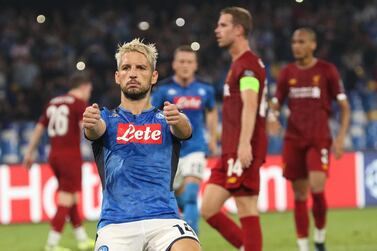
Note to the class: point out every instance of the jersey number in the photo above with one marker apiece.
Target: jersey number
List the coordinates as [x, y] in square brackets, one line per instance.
[234, 168]
[58, 124]
[184, 229]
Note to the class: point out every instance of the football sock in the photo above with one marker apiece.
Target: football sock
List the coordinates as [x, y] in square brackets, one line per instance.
[53, 238]
[319, 235]
[80, 234]
[190, 209]
[303, 244]
[301, 215]
[251, 233]
[74, 215]
[319, 209]
[59, 219]
[227, 228]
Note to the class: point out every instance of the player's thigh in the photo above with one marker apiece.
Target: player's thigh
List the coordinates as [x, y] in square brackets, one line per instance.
[294, 160]
[185, 244]
[120, 237]
[213, 199]
[163, 234]
[318, 158]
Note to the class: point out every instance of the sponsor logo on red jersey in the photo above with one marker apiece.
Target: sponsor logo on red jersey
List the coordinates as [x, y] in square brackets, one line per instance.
[142, 134]
[188, 102]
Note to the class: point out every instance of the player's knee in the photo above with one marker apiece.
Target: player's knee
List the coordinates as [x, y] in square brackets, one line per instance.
[191, 193]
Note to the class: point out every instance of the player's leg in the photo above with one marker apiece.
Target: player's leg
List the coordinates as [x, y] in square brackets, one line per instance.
[213, 200]
[319, 163]
[295, 170]
[191, 169]
[249, 217]
[185, 244]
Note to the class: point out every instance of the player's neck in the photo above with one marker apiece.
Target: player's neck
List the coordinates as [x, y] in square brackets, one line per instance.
[238, 48]
[183, 81]
[306, 63]
[136, 106]
[76, 93]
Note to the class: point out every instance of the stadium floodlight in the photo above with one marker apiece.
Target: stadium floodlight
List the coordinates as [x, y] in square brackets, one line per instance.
[180, 22]
[80, 65]
[195, 46]
[41, 19]
[143, 25]
[299, 1]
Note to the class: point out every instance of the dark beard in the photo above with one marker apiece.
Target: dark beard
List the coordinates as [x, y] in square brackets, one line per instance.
[138, 95]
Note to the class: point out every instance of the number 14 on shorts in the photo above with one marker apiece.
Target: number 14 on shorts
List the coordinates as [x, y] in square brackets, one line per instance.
[234, 168]
[184, 229]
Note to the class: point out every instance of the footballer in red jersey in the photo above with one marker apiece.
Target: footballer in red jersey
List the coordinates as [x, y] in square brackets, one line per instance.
[309, 85]
[244, 140]
[62, 119]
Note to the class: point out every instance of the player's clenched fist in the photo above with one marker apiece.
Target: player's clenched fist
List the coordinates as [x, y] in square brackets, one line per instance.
[171, 113]
[91, 117]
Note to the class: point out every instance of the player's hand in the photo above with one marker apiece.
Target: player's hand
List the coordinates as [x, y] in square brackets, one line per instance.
[28, 160]
[91, 117]
[244, 154]
[338, 147]
[171, 113]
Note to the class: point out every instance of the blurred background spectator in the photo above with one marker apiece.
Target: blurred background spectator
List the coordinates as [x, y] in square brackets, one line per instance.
[42, 43]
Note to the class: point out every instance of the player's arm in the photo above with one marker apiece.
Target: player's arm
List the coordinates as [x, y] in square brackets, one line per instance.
[179, 123]
[33, 143]
[211, 120]
[344, 123]
[94, 125]
[249, 87]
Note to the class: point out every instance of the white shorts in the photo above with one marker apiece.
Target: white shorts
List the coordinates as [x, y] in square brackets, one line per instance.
[193, 165]
[144, 235]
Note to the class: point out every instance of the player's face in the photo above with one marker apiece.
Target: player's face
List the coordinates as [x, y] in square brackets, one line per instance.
[225, 31]
[135, 75]
[302, 45]
[185, 64]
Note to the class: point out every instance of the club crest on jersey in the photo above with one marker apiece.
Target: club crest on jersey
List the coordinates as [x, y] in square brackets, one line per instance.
[188, 102]
[143, 134]
[316, 79]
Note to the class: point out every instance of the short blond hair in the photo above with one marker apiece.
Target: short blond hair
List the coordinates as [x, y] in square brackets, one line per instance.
[137, 45]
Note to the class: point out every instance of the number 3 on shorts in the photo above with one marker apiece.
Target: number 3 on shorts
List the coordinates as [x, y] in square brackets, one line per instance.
[234, 168]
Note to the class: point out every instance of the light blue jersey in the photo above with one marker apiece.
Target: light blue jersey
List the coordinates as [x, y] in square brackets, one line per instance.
[193, 100]
[137, 160]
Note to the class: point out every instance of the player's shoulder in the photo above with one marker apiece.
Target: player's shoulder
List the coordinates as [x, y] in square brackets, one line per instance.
[326, 64]
[203, 83]
[250, 60]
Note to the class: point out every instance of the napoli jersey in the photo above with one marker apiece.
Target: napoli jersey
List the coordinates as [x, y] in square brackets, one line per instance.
[193, 100]
[137, 159]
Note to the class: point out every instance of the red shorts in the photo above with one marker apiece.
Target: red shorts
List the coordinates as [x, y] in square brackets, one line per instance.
[238, 181]
[301, 157]
[67, 170]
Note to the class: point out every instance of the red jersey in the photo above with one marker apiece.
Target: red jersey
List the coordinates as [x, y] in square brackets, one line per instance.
[248, 64]
[62, 117]
[310, 92]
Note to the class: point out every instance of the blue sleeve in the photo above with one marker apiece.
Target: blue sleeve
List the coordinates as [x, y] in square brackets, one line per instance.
[210, 104]
[157, 98]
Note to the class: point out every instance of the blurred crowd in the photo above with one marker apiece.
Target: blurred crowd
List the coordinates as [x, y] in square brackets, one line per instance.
[36, 58]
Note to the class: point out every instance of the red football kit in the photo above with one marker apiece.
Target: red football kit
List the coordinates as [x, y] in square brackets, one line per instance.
[229, 173]
[61, 118]
[310, 93]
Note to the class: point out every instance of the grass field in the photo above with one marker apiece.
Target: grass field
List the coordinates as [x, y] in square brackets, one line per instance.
[348, 230]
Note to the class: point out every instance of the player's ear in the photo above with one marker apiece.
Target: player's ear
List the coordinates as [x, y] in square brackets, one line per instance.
[116, 76]
[154, 77]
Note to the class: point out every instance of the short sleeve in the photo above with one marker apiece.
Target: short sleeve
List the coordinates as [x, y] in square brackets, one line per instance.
[157, 98]
[210, 103]
[335, 87]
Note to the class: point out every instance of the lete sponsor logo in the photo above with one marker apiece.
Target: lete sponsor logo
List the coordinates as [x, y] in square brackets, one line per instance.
[188, 102]
[142, 134]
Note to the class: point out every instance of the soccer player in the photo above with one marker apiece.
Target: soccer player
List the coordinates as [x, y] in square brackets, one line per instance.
[136, 147]
[244, 141]
[309, 84]
[195, 99]
[62, 118]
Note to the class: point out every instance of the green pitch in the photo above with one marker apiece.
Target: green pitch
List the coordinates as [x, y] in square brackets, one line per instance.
[348, 230]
